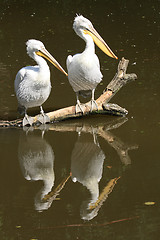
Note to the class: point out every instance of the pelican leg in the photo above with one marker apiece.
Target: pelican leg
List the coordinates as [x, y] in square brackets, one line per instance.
[43, 118]
[78, 105]
[27, 120]
[94, 133]
[93, 102]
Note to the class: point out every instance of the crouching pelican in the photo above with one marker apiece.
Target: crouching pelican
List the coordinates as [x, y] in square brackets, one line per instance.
[83, 68]
[32, 83]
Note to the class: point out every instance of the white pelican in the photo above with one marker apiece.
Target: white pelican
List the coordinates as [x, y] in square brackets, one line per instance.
[83, 68]
[32, 84]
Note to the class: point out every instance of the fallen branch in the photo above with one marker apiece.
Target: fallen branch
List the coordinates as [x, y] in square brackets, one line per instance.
[120, 79]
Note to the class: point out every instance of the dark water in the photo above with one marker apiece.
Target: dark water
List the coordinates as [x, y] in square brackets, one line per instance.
[96, 150]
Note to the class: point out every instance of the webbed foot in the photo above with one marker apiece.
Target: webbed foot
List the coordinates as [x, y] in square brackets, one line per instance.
[79, 108]
[43, 118]
[94, 106]
[27, 120]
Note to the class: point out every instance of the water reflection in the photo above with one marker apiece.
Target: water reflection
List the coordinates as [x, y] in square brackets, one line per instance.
[87, 161]
[36, 159]
[135, 28]
[86, 168]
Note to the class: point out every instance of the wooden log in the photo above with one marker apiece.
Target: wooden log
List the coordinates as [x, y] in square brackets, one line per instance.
[120, 79]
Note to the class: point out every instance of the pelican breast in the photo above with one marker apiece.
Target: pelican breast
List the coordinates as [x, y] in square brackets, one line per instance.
[83, 71]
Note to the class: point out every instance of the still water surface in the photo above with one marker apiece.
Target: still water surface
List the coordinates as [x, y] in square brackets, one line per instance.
[93, 178]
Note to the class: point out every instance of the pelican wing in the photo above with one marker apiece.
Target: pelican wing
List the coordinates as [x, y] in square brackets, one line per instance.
[83, 72]
[28, 73]
[19, 78]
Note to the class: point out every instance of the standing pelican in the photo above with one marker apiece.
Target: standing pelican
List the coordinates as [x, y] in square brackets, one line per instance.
[83, 68]
[32, 84]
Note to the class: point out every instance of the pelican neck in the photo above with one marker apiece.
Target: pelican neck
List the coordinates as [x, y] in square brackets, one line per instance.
[90, 46]
[40, 61]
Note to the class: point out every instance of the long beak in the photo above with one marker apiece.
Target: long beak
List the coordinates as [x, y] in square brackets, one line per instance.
[100, 42]
[44, 53]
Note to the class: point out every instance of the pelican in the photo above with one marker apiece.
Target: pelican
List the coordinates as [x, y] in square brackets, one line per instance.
[32, 83]
[83, 68]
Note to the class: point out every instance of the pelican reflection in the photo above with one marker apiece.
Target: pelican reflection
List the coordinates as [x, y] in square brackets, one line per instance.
[36, 159]
[86, 167]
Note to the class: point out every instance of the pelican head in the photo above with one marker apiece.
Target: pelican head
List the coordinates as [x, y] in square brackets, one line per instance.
[36, 47]
[33, 46]
[83, 26]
